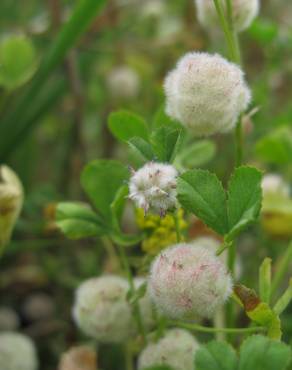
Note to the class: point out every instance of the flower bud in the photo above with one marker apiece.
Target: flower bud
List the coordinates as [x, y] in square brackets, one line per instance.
[17, 352]
[188, 281]
[11, 199]
[123, 82]
[176, 349]
[101, 309]
[243, 13]
[206, 93]
[153, 187]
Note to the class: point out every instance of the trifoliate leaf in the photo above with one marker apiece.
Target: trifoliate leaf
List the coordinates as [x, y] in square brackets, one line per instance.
[216, 356]
[201, 193]
[142, 148]
[77, 221]
[101, 179]
[244, 199]
[125, 125]
[166, 143]
[262, 353]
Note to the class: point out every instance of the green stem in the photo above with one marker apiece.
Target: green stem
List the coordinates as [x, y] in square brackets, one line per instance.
[281, 269]
[205, 329]
[284, 301]
[230, 309]
[239, 143]
[136, 307]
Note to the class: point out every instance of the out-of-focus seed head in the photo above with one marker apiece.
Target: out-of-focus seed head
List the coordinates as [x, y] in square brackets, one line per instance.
[11, 200]
[101, 309]
[188, 281]
[79, 358]
[206, 93]
[17, 352]
[38, 306]
[123, 82]
[274, 184]
[176, 349]
[9, 319]
[153, 187]
[243, 13]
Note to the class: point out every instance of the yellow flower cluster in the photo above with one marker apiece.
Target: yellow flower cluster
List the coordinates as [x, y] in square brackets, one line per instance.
[160, 232]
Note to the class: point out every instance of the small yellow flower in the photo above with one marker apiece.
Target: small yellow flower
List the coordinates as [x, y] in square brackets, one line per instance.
[160, 232]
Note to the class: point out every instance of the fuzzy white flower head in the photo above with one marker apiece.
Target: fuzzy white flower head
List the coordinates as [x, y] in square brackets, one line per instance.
[275, 184]
[206, 93]
[101, 309]
[188, 281]
[11, 200]
[9, 319]
[153, 187]
[176, 349]
[123, 82]
[17, 352]
[213, 245]
[243, 13]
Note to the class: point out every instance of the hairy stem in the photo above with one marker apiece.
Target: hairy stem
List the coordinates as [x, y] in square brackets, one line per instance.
[177, 229]
[282, 269]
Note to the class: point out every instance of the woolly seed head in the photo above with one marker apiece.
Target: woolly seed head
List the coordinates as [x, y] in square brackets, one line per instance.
[188, 281]
[123, 82]
[274, 184]
[206, 93]
[176, 349]
[243, 13]
[101, 309]
[17, 351]
[153, 187]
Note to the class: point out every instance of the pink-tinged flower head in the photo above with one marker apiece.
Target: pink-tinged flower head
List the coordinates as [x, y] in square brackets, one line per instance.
[187, 281]
[153, 187]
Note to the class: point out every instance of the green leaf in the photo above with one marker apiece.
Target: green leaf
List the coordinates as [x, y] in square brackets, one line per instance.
[216, 356]
[142, 148]
[166, 143]
[244, 199]
[261, 353]
[77, 220]
[18, 61]
[201, 193]
[101, 179]
[197, 154]
[125, 125]
[82, 16]
[276, 147]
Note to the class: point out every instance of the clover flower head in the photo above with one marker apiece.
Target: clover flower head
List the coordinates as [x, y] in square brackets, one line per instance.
[187, 282]
[176, 348]
[153, 187]
[17, 351]
[123, 82]
[11, 200]
[274, 184]
[206, 93]
[101, 309]
[243, 13]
